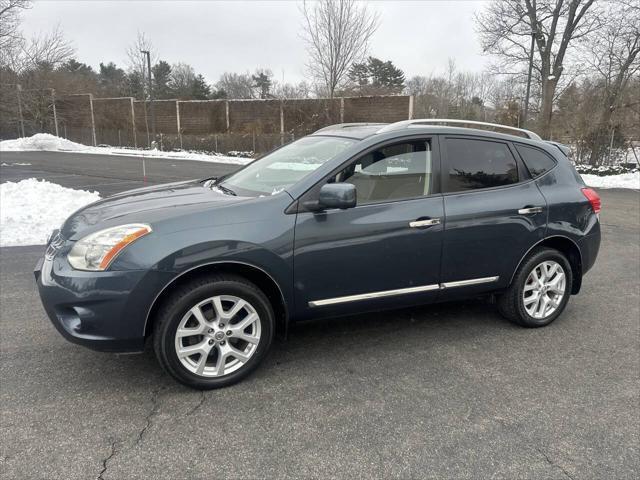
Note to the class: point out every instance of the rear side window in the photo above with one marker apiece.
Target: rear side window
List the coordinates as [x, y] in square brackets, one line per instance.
[475, 164]
[536, 161]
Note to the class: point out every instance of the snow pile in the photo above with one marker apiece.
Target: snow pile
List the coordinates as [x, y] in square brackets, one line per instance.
[240, 153]
[51, 143]
[198, 157]
[40, 141]
[31, 209]
[624, 180]
[603, 170]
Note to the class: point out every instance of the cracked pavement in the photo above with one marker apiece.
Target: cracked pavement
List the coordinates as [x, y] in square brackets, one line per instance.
[443, 391]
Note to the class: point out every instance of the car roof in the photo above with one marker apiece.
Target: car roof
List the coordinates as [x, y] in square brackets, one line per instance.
[358, 131]
[361, 131]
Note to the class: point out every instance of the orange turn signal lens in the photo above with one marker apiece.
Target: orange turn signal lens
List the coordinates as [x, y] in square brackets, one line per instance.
[130, 238]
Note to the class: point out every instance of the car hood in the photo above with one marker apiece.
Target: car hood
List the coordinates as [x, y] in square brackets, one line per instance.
[146, 205]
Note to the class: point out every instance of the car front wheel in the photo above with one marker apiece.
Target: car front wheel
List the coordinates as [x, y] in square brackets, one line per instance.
[214, 331]
[540, 289]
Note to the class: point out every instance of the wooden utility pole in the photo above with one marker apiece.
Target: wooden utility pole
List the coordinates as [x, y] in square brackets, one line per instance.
[526, 98]
[153, 111]
[55, 114]
[19, 89]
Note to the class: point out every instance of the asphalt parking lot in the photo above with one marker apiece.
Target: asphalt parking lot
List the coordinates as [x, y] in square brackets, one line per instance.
[444, 391]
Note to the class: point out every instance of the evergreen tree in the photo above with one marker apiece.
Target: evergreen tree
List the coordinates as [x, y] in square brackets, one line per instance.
[161, 77]
[75, 67]
[377, 77]
[199, 89]
[262, 81]
[359, 74]
[112, 81]
[135, 86]
[217, 94]
[377, 71]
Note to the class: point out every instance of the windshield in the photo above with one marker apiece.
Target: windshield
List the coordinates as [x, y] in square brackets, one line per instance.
[282, 168]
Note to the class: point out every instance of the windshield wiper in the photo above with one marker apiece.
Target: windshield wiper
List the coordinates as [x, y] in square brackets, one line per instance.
[214, 182]
[226, 190]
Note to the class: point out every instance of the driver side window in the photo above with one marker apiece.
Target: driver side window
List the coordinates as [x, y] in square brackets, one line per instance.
[393, 172]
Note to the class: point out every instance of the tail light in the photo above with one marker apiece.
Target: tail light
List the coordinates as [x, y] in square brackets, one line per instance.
[594, 199]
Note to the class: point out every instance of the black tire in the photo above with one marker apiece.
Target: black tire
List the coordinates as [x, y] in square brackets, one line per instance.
[511, 302]
[172, 311]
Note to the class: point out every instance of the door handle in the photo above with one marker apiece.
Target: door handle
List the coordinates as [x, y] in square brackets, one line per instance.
[424, 223]
[530, 210]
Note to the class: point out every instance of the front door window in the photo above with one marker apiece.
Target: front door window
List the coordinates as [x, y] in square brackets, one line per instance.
[393, 172]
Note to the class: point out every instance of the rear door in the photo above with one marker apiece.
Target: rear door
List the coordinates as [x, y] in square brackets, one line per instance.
[494, 213]
[383, 252]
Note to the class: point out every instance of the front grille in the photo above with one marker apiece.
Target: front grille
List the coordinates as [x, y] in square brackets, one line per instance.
[56, 241]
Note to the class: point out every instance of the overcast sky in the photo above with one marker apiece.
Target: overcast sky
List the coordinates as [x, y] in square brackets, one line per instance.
[239, 36]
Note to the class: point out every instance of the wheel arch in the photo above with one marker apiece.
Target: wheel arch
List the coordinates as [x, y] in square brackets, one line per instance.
[569, 249]
[256, 275]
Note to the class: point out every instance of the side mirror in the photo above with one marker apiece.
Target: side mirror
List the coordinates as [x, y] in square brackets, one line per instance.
[337, 195]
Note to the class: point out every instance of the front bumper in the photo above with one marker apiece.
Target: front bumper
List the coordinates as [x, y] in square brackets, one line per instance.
[104, 311]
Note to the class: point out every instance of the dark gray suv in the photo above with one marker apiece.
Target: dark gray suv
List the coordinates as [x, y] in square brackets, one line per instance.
[353, 218]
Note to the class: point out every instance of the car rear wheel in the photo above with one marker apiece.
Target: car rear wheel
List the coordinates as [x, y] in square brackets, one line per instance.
[540, 289]
[214, 331]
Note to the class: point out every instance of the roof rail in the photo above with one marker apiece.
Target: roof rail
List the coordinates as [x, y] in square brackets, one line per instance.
[461, 123]
[339, 126]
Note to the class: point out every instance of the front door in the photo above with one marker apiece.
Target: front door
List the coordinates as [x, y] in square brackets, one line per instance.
[383, 252]
[494, 214]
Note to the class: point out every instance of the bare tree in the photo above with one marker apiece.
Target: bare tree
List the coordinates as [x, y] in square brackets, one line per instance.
[45, 52]
[236, 85]
[49, 49]
[181, 80]
[136, 60]
[506, 28]
[288, 90]
[613, 55]
[337, 33]
[35, 66]
[10, 12]
[137, 65]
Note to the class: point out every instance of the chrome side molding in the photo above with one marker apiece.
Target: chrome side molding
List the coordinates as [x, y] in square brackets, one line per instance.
[401, 291]
[466, 283]
[365, 296]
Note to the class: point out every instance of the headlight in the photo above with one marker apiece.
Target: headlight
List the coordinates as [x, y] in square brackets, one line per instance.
[97, 250]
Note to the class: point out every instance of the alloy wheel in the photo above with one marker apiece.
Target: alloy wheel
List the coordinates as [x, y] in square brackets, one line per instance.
[544, 289]
[217, 336]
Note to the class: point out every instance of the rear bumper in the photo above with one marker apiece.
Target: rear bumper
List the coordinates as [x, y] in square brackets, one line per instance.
[589, 247]
[103, 311]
